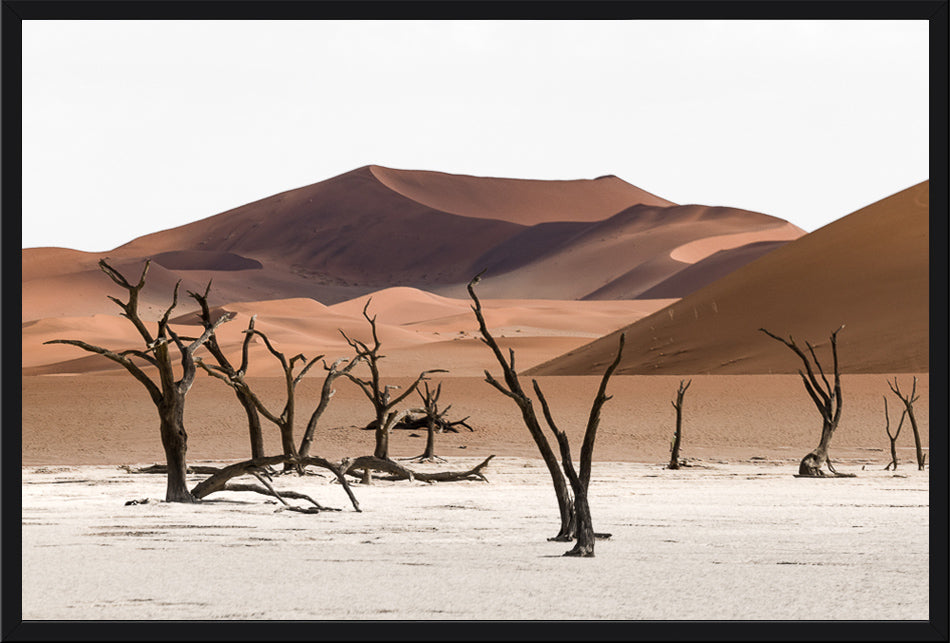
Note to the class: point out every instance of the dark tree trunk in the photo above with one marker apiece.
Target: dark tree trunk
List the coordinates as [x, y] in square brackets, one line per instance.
[429, 453]
[287, 445]
[893, 462]
[175, 443]
[584, 530]
[565, 501]
[382, 442]
[678, 436]
[921, 458]
[812, 463]
[255, 432]
[893, 437]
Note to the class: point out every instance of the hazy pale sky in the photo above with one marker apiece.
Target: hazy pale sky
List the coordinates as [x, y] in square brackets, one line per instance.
[130, 127]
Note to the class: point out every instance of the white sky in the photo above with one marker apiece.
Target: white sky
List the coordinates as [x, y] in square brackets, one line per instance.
[130, 127]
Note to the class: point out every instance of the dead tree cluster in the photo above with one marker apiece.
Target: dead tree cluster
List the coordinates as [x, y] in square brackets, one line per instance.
[162, 348]
[168, 396]
[575, 510]
[388, 414]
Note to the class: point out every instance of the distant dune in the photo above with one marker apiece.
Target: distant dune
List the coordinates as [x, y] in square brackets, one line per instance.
[868, 270]
[376, 228]
[418, 331]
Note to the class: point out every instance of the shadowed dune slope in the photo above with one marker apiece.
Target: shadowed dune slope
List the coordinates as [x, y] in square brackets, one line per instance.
[868, 270]
[348, 229]
[706, 271]
[620, 257]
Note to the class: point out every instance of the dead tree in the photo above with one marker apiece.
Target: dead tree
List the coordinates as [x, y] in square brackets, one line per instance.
[168, 394]
[432, 417]
[887, 427]
[583, 526]
[381, 397]
[827, 399]
[678, 436]
[235, 379]
[908, 401]
[334, 371]
[243, 396]
[512, 388]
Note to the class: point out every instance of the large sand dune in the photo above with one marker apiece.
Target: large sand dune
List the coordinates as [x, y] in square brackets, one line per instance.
[374, 228]
[868, 270]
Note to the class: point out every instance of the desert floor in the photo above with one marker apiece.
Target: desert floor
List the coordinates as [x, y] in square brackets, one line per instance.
[735, 536]
[109, 419]
[713, 541]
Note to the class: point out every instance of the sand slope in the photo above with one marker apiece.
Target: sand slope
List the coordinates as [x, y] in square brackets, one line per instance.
[868, 270]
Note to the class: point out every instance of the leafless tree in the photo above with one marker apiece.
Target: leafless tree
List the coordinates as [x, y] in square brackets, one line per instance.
[380, 396]
[168, 394]
[235, 379]
[242, 394]
[887, 427]
[908, 401]
[574, 510]
[432, 416]
[827, 399]
[678, 436]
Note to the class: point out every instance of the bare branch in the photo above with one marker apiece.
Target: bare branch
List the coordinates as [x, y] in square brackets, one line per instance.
[590, 433]
[798, 351]
[128, 364]
[491, 380]
[306, 368]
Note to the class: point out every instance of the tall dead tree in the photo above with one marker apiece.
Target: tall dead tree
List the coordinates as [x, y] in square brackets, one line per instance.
[285, 420]
[908, 401]
[247, 403]
[827, 399]
[678, 436]
[893, 438]
[380, 396]
[168, 394]
[580, 482]
[512, 388]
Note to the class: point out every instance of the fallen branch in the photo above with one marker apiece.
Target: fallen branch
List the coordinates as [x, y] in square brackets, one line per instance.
[161, 468]
[219, 480]
[399, 472]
